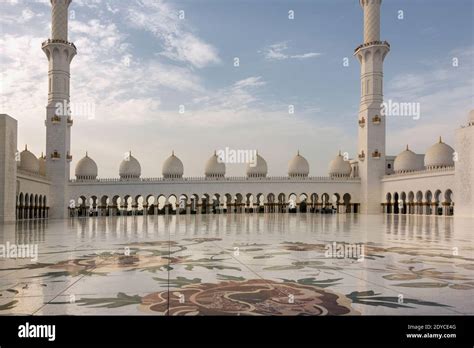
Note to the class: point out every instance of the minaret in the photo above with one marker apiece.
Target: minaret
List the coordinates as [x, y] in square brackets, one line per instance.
[371, 142]
[58, 122]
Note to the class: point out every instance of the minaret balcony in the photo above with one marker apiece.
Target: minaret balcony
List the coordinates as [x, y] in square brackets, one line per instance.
[376, 119]
[362, 122]
[376, 154]
[69, 121]
[372, 43]
[45, 43]
[56, 119]
[55, 155]
[362, 156]
[69, 157]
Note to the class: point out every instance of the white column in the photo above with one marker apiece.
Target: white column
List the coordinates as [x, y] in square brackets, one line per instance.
[8, 166]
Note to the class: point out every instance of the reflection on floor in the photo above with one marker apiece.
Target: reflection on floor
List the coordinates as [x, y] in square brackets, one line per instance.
[257, 264]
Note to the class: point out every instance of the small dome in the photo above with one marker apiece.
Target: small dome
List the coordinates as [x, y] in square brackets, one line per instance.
[28, 161]
[42, 165]
[130, 168]
[173, 167]
[214, 167]
[259, 170]
[339, 167]
[439, 155]
[298, 166]
[406, 161]
[86, 169]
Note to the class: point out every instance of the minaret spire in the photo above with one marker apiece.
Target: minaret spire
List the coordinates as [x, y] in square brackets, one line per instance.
[371, 19]
[60, 53]
[59, 15]
[371, 139]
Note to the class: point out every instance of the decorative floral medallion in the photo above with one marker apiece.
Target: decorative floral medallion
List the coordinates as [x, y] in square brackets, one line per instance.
[249, 297]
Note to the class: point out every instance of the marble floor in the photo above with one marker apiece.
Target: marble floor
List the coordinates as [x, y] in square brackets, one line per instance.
[241, 264]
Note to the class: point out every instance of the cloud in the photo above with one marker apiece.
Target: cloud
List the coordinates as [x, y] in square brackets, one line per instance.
[305, 55]
[107, 70]
[177, 38]
[24, 17]
[241, 95]
[111, 9]
[93, 4]
[277, 51]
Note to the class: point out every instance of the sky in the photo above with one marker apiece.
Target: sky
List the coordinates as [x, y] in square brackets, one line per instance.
[161, 76]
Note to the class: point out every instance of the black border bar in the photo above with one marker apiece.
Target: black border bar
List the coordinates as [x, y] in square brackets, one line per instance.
[241, 330]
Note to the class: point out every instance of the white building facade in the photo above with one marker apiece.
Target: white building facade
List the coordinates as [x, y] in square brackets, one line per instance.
[439, 182]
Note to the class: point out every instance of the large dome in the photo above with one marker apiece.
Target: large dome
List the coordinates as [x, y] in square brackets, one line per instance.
[298, 166]
[339, 167]
[42, 165]
[86, 169]
[130, 168]
[214, 167]
[173, 167]
[259, 170]
[439, 155]
[406, 161]
[28, 161]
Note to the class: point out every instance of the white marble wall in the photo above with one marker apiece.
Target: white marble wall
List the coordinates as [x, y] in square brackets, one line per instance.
[423, 181]
[8, 148]
[211, 187]
[464, 174]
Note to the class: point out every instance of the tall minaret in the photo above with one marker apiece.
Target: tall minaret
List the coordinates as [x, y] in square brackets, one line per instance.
[371, 142]
[58, 122]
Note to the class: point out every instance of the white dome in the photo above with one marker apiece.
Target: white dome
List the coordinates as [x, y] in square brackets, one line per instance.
[259, 170]
[439, 155]
[130, 168]
[28, 161]
[339, 167]
[298, 166]
[214, 167]
[173, 167]
[42, 165]
[86, 168]
[406, 161]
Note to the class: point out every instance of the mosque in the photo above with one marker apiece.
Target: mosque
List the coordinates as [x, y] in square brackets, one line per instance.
[439, 182]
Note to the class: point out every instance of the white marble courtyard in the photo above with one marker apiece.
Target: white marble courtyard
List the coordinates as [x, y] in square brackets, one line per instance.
[242, 264]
